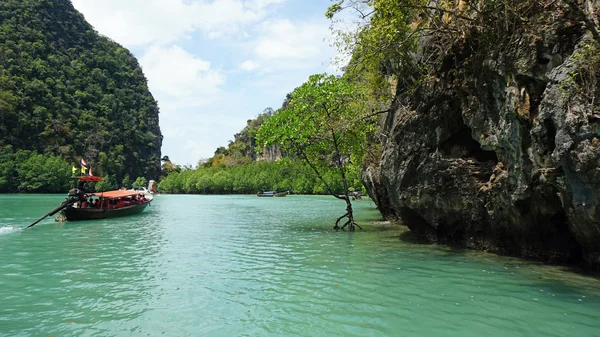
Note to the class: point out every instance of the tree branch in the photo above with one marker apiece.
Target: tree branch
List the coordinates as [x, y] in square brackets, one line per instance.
[374, 114]
[453, 12]
[338, 158]
[318, 174]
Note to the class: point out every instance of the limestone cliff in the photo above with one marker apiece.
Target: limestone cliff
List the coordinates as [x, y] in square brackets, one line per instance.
[67, 91]
[498, 146]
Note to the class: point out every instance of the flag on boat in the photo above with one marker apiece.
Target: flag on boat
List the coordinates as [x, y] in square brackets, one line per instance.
[90, 173]
[151, 186]
[83, 169]
[74, 170]
[83, 162]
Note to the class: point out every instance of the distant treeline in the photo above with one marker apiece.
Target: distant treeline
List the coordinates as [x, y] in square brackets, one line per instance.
[25, 171]
[252, 178]
[29, 171]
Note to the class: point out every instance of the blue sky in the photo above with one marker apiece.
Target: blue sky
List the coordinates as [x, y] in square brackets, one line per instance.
[212, 65]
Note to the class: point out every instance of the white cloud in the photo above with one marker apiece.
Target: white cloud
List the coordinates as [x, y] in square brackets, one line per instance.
[179, 74]
[190, 136]
[140, 22]
[198, 149]
[186, 88]
[207, 88]
[259, 5]
[249, 65]
[283, 44]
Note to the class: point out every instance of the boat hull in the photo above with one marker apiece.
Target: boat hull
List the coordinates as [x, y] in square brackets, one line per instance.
[75, 214]
[280, 194]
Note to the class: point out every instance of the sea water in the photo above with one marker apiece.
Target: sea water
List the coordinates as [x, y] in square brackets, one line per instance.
[248, 266]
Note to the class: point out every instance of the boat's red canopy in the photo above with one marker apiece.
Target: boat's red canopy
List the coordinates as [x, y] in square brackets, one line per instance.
[89, 178]
[116, 194]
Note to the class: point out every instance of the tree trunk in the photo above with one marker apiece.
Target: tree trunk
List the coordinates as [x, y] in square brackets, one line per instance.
[350, 222]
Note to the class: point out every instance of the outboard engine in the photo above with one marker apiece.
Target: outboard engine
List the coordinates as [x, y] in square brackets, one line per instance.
[75, 195]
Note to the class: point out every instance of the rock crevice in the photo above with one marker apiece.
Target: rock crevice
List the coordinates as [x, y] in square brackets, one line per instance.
[499, 150]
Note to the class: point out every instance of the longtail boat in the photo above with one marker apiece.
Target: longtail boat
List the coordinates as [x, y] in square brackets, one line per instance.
[107, 205]
[80, 205]
[271, 194]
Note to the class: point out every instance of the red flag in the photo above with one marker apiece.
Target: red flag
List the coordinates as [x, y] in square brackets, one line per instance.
[91, 172]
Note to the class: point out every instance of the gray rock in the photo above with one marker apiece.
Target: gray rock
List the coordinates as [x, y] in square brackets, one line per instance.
[498, 153]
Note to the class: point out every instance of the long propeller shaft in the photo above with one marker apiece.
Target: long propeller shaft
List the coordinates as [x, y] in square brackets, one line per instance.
[65, 204]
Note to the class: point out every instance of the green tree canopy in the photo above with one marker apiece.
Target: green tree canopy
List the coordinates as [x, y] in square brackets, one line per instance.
[326, 124]
[67, 91]
[140, 181]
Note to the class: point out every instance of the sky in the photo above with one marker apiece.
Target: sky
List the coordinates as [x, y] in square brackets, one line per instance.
[212, 65]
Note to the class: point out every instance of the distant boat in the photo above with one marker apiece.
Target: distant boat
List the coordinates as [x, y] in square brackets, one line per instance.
[148, 192]
[141, 189]
[151, 187]
[354, 195]
[272, 194]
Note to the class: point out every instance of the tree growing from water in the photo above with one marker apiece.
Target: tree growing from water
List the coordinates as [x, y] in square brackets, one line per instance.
[324, 125]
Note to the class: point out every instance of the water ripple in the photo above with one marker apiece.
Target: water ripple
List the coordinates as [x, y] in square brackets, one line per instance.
[8, 229]
[246, 266]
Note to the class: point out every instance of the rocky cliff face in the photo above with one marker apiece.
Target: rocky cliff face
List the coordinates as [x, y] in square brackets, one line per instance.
[498, 147]
[271, 153]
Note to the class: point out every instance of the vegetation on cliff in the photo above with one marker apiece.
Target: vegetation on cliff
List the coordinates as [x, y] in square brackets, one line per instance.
[243, 149]
[67, 92]
[493, 136]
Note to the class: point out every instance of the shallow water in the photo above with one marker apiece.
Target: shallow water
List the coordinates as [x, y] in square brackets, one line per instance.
[248, 266]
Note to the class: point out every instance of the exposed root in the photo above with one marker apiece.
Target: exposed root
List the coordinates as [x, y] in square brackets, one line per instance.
[338, 221]
[350, 222]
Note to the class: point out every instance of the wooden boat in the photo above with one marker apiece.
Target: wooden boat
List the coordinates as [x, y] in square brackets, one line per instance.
[109, 204]
[271, 194]
[102, 204]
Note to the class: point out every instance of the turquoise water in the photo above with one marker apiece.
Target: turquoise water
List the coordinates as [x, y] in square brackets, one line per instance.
[248, 266]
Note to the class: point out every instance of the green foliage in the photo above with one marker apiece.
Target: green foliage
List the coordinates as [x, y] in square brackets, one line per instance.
[324, 125]
[168, 167]
[66, 91]
[243, 149]
[333, 9]
[126, 182]
[584, 81]
[109, 183]
[31, 172]
[381, 42]
[249, 179]
[140, 181]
